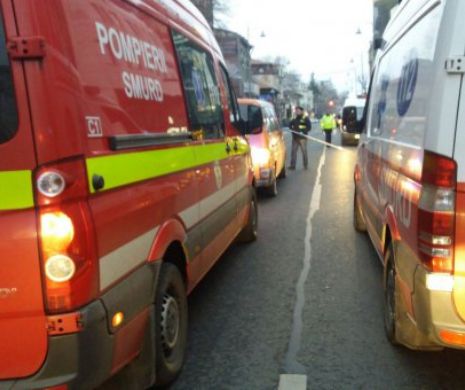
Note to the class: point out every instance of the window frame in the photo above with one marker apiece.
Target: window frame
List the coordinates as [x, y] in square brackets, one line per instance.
[218, 127]
[233, 105]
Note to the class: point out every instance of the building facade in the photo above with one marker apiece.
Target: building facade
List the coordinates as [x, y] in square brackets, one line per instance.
[236, 51]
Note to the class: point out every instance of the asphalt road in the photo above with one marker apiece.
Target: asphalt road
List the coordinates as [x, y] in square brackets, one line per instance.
[243, 316]
[305, 298]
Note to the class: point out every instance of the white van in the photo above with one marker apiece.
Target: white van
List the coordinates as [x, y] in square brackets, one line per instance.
[410, 173]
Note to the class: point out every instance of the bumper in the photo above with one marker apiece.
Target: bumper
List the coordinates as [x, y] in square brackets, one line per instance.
[436, 314]
[86, 359]
[81, 359]
[263, 176]
[350, 138]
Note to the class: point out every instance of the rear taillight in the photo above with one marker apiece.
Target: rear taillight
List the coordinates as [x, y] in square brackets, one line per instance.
[67, 236]
[436, 213]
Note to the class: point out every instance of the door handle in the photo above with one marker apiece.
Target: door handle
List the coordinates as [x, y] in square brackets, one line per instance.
[236, 148]
[228, 148]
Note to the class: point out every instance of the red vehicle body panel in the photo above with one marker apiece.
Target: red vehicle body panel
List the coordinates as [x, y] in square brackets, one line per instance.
[23, 334]
[59, 97]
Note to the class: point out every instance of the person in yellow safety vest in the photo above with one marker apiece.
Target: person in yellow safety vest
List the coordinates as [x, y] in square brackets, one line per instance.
[328, 123]
[300, 124]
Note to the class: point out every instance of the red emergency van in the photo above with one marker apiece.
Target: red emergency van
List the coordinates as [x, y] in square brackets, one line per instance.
[123, 178]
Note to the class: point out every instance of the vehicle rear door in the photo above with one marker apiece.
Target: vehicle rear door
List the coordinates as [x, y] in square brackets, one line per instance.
[23, 331]
[455, 72]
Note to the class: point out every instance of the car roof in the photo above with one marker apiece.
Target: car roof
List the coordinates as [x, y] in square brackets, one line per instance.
[253, 102]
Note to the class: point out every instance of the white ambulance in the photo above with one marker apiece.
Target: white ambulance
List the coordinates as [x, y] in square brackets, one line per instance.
[410, 173]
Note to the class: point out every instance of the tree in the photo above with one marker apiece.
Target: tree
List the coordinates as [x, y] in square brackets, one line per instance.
[220, 9]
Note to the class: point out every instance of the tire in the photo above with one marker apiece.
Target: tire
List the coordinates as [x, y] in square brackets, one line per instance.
[171, 325]
[390, 299]
[249, 232]
[359, 222]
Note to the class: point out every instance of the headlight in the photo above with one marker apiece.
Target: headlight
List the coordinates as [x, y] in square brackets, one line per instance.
[260, 156]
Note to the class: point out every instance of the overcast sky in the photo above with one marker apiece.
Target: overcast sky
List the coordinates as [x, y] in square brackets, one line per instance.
[315, 35]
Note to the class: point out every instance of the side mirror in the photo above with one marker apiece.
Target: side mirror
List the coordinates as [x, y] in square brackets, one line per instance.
[379, 43]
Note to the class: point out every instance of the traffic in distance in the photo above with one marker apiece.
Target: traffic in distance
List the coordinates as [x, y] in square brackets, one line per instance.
[128, 167]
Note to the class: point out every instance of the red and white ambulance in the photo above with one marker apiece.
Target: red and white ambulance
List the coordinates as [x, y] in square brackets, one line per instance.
[123, 178]
[410, 173]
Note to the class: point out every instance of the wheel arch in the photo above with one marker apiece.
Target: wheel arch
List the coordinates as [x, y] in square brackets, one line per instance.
[390, 231]
[175, 254]
[168, 246]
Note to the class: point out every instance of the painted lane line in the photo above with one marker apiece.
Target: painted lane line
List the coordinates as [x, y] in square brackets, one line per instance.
[318, 140]
[291, 363]
[292, 382]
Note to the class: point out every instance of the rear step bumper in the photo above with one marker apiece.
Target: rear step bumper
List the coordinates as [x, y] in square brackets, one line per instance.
[85, 360]
[84, 357]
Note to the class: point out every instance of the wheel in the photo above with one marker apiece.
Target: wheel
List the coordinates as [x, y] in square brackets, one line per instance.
[171, 324]
[249, 232]
[390, 301]
[359, 222]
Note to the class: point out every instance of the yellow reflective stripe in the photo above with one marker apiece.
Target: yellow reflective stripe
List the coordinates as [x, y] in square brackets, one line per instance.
[16, 190]
[127, 168]
[210, 152]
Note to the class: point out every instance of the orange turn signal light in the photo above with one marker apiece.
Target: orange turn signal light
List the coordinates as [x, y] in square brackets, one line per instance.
[117, 319]
[450, 337]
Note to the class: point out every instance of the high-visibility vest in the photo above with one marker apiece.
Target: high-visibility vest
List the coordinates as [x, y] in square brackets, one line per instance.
[327, 122]
[303, 124]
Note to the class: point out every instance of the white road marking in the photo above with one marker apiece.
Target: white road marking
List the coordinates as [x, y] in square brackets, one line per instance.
[291, 363]
[292, 382]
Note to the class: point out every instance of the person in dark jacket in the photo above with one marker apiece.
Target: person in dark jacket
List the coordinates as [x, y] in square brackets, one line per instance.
[300, 124]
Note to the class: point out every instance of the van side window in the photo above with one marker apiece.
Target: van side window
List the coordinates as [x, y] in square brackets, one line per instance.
[200, 88]
[232, 102]
[399, 99]
[8, 110]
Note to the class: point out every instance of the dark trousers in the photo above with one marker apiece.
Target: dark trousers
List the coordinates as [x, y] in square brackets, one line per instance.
[299, 143]
[328, 134]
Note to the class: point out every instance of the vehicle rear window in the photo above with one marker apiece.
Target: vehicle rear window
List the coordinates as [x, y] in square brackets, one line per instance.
[249, 111]
[8, 110]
